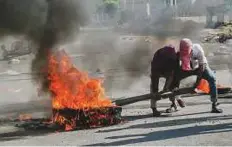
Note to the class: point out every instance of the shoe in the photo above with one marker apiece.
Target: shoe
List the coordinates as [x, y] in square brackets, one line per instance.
[170, 110]
[215, 109]
[181, 103]
[155, 113]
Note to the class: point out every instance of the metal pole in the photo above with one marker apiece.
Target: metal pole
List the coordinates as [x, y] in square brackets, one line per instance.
[174, 2]
[148, 9]
[133, 5]
[125, 1]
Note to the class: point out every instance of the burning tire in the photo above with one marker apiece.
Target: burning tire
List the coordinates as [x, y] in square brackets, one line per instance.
[78, 101]
[70, 119]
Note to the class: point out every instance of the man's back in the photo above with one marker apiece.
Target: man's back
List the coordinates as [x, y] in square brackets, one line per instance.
[165, 60]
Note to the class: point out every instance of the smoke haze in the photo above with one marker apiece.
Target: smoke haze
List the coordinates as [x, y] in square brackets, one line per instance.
[45, 22]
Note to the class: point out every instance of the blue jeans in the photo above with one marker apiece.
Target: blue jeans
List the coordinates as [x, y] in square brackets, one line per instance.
[209, 76]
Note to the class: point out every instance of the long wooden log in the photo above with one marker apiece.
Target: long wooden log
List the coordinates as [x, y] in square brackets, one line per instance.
[161, 94]
[185, 92]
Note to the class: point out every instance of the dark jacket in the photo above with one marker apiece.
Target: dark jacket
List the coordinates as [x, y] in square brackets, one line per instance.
[165, 60]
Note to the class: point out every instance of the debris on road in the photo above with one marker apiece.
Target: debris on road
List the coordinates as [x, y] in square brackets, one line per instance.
[14, 61]
[222, 33]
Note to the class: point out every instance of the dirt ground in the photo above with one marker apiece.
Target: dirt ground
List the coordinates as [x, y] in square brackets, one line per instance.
[123, 63]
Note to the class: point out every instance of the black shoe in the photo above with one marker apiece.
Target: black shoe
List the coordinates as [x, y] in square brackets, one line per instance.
[181, 103]
[155, 113]
[170, 110]
[215, 109]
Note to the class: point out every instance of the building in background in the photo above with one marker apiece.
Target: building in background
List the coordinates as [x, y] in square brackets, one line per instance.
[170, 3]
[140, 9]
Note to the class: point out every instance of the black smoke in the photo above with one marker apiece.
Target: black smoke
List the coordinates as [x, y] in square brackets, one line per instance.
[45, 22]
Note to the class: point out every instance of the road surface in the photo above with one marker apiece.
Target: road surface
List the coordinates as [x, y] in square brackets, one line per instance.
[193, 125]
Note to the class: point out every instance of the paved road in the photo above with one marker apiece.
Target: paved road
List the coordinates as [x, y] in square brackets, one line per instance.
[193, 125]
[190, 126]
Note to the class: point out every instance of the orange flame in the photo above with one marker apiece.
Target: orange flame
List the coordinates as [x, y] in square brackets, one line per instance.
[204, 86]
[72, 88]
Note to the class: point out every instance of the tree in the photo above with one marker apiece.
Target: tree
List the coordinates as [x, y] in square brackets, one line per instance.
[228, 4]
[116, 2]
[111, 7]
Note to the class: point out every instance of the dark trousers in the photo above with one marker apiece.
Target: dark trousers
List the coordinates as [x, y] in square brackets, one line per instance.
[154, 87]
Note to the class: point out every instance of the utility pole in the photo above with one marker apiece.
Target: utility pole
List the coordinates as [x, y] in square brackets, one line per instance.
[124, 4]
[148, 8]
[170, 3]
[174, 2]
[133, 5]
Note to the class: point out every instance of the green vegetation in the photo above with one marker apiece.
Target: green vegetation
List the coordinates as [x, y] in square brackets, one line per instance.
[115, 2]
[111, 7]
[222, 34]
